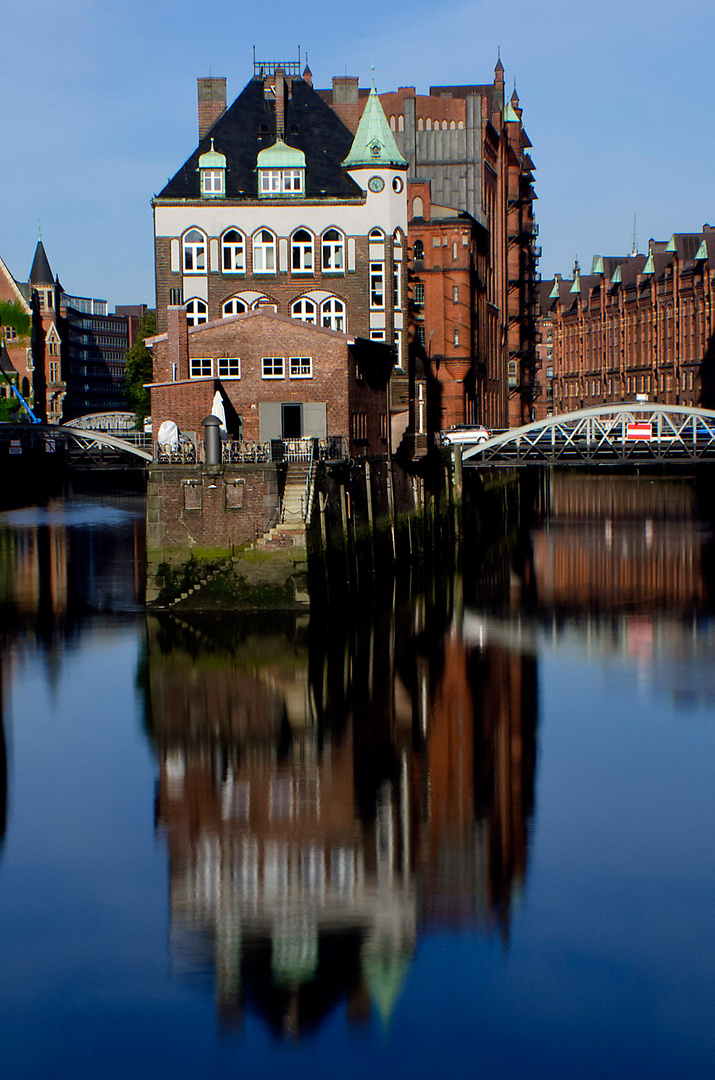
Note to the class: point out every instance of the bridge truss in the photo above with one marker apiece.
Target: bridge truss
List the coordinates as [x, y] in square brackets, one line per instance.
[608, 435]
[85, 449]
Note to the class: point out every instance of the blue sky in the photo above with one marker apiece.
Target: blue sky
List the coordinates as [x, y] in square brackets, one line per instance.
[99, 109]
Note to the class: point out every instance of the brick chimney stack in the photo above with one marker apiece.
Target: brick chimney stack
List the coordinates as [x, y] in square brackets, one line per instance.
[280, 87]
[178, 346]
[212, 102]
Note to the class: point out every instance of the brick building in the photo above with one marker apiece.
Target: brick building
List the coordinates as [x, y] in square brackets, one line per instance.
[471, 145]
[73, 361]
[282, 204]
[638, 327]
[277, 378]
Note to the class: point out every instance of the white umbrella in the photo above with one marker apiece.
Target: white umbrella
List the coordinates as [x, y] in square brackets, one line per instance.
[217, 409]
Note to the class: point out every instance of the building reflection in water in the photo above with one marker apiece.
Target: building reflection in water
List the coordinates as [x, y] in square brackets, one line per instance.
[61, 566]
[331, 792]
[329, 796]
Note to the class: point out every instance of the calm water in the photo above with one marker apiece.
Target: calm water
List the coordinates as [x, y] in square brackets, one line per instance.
[468, 832]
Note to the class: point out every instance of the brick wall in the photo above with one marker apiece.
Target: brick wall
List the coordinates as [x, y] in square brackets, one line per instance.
[335, 381]
[200, 516]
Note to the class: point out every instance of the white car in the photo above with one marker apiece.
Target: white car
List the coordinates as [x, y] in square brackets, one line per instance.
[465, 433]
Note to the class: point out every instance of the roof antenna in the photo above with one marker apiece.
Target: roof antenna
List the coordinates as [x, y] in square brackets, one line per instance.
[634, 248]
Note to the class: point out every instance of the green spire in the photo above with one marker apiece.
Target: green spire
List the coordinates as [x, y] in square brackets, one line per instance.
[374, 144]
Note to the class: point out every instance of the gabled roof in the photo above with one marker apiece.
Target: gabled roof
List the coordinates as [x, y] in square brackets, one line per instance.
[374, 144]
[249, 126]
[41, 273]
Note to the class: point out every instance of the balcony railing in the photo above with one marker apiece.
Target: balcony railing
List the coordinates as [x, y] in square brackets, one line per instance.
[246, 452]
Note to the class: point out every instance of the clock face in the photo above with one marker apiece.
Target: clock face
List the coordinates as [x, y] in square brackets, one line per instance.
[376, 184]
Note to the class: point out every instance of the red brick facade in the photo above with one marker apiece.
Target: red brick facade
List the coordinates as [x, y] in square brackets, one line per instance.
[339, 386]
[637, 327]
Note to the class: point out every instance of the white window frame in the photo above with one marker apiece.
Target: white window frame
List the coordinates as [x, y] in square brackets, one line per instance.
[194, 251]
[302, 252]
[201, 367]
[212, 181]
[273, 367]
[332, 313]
[197, 311]
[300, 367]
[281, 181]
[235, 302]
[397, 286]
[333, 252]
[419, 294]
[228, 367]
[233, 252]
[377, 286]
[306, 310]
[264, 252]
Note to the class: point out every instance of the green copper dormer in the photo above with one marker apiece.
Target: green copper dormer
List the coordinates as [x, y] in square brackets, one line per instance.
[510, 116]
[671, 246]
[649, 267]
[702, 253]
[554, 294]
[281, 170]
[597, 264]
[617, 278]
[212, 170]
[374, 144]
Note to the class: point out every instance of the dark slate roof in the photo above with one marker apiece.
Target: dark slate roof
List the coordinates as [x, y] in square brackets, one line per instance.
[249, 126]
[41, 273]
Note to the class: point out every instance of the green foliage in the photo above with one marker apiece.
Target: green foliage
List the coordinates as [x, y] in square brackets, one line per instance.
[139, 369]
[9, 409]
[12, 314]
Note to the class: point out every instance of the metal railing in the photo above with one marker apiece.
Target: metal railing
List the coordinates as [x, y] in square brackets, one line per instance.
[247, 452]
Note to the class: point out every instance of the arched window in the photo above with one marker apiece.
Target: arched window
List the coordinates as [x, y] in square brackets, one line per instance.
[392, 123]
[418, 250]
[452, 126]
[377, 236]
[234, 307]
[420, 124]
[460, 125]
[445, 125]
[233, 252]
[194, 252]
[428, 124]
[333, 314]
[197, 312]
[333, 249]
[301, 259]
[305, 310]
[400, 123]
[264, 252]
[418, 208]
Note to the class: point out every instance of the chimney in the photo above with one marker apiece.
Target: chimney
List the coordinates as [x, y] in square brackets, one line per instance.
[346, 100]
[212, 102]
[280, 86]
[178, 345]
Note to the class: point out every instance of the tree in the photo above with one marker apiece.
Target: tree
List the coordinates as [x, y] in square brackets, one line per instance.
[139, 369]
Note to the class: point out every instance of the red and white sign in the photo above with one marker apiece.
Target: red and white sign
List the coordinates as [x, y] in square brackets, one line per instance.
[638, 432]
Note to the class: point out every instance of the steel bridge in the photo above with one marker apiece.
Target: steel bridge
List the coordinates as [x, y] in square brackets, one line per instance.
[604, 435]
[86, 449]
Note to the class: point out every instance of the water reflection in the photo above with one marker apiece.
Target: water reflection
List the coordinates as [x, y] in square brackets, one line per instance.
[329, 796]
[332, 792]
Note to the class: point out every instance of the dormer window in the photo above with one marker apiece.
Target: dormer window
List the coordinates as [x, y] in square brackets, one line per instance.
[212, 170]
[281, 170]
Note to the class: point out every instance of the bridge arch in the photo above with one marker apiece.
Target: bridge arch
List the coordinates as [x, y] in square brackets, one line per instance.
[617, 434]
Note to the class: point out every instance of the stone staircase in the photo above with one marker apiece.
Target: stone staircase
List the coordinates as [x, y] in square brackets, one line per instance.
[290, 530]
